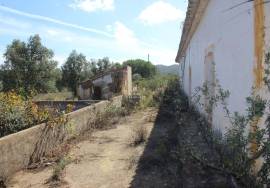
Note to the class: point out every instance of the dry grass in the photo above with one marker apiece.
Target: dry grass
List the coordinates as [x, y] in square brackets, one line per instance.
[54, 96]
[138, 135]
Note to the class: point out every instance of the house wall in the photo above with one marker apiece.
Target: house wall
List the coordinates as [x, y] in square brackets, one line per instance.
[267, 26]
[229, 35]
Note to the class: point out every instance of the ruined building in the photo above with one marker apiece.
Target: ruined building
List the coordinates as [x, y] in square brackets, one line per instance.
[106, 84]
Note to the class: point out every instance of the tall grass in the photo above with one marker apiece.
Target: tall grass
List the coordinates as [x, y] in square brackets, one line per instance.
[151, 90]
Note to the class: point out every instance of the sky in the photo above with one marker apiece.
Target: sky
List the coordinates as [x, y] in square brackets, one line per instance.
[118, 29]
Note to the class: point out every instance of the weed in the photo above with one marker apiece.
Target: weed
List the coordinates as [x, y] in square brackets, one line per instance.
[108, 117]
[58, 170]
[139, 135]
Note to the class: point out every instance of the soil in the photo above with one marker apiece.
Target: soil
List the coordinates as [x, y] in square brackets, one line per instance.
[107, 159]
[103, 159]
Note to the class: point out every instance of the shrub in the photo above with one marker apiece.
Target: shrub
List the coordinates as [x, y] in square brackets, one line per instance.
[109, 117]
[15, 113]
[139, 135]
[152, 90]
[59, 168]
[18, 113]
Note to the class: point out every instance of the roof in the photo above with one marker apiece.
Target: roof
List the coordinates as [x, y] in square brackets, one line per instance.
[102, 74]
[195, 11]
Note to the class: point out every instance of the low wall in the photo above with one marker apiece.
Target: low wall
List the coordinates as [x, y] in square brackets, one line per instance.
[18, 150]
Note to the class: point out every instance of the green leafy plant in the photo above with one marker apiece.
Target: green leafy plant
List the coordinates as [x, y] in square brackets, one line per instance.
[244, 142]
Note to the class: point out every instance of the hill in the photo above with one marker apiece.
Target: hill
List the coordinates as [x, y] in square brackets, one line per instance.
[172, 69]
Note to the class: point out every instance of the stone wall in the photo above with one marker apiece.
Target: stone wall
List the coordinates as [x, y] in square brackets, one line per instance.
[17, 150]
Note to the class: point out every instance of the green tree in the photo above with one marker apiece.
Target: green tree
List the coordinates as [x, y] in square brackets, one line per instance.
[58, 79]
[104, 64]
[72, 70]
[28, 66]
[116, 65]
[141, 67]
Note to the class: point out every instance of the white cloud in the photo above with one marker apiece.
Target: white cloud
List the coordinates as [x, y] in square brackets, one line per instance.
[60, 59]
[124, 44]
[133, 47]
[124, 36]
[109, 28]
[52, 32]
[55, 21]
[160, 12]
[93, 5]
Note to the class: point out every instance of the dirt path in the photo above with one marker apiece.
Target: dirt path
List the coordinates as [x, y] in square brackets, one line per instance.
[105, 159]
[166, 160]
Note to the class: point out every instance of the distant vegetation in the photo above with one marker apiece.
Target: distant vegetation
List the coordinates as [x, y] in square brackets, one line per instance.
[30, 67]
[172, 69]
[142, 68]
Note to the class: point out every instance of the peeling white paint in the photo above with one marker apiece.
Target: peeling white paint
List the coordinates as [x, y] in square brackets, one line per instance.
[231, 32]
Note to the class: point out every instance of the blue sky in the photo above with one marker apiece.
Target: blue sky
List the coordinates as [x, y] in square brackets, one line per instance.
[118, 29]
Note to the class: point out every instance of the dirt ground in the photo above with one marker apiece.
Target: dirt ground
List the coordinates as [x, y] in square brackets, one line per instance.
[170, 158]
[104, 159]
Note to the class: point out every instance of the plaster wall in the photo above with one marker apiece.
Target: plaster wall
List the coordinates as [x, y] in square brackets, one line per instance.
[267, 26]
[228, 33]
[105, 80]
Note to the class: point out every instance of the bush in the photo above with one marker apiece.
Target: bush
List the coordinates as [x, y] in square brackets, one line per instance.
[109, 117]
[152, 90]
[15, 113]
[18, 113]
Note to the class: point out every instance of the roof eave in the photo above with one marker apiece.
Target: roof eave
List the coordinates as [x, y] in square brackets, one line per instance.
[195, 11]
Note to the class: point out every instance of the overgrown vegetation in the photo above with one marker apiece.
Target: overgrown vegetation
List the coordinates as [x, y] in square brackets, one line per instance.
[18, 113]
[109, 117]
[151, 90]
[244, 142]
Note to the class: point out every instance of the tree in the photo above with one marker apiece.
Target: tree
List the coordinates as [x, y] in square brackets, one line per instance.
[72, 70]
[104, 64]
[28, 66]
[141, 67]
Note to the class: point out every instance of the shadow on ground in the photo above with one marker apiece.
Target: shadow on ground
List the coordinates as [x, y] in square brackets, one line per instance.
[166, 160]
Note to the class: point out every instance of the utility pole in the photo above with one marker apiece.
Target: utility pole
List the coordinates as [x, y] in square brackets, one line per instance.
[148, 57]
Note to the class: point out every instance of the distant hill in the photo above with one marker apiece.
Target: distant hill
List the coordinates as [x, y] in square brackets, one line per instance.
[172, 69]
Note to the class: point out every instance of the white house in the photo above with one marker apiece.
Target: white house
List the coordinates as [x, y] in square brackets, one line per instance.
[225, 40]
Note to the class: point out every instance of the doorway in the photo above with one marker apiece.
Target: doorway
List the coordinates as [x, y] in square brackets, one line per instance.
[97, 93]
